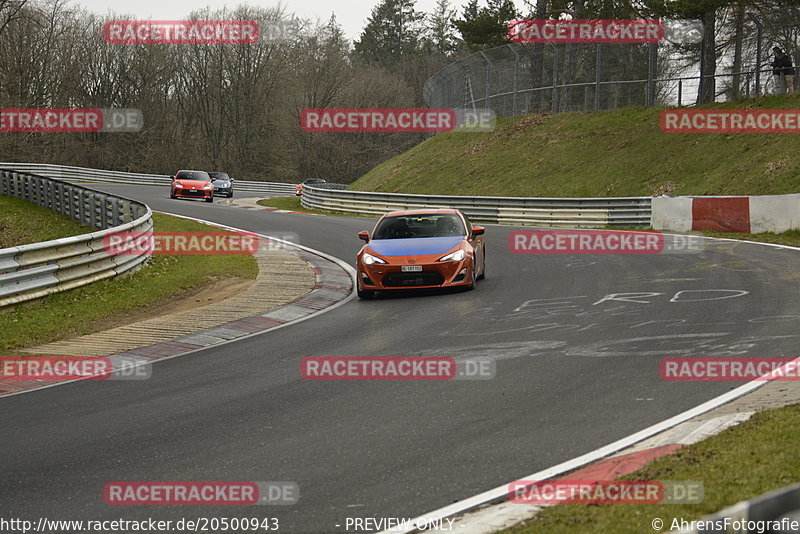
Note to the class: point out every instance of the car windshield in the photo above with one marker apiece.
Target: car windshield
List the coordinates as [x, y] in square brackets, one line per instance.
[425, 225]
[193, 175]
[219, 175]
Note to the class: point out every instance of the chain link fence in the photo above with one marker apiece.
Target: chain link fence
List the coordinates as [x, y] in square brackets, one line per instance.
[519, 79]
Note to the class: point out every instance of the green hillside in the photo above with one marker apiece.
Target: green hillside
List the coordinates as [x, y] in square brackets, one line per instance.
[612, 153]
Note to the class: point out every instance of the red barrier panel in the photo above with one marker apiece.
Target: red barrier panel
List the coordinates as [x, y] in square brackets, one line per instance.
[721, 214]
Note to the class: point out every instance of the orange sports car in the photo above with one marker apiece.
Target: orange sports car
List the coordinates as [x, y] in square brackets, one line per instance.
[192, 184]
[419, 249]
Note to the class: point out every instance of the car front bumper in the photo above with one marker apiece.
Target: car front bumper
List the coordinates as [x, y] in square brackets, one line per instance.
[193, 193]
[389, 277]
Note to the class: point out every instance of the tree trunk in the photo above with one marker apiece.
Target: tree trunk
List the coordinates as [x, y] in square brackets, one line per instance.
[571, 52]
[738, 37]
[709, 57]
[537, 61]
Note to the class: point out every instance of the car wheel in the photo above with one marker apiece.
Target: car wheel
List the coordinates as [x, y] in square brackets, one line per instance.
[363, 294]
[473, 279]
[210, 199]
[230, 195]
[172, 195]
[483, 273]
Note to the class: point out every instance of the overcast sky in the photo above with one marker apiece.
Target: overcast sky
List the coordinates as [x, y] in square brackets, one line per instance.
[351, 14]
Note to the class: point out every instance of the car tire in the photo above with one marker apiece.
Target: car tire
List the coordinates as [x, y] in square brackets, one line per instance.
[172, 195]
[365, 294]
[483, 273]
[230, 195]
[210, 199]
[473, 278]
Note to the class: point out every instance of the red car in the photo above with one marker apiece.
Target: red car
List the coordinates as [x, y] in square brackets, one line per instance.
[192, 184]
[419, 249]
[298, 190]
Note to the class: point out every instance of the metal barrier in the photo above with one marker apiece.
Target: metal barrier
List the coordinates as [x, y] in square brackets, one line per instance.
[82, 174]
[771, 512]
[32, 271]
[516, 211]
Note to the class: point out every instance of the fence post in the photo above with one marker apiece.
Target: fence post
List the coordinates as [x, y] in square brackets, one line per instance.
[486, 93]
[555, 78]
[759, 34]
[680, 93]
[597, 67]
[701, 84]
[516, 71]
[651, 72]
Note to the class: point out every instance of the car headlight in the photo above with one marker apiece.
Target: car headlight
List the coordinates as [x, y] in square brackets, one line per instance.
[179, 185]
[369, 259]
[209, 186]
[458, 255]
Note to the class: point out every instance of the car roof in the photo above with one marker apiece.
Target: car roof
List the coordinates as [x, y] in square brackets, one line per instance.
[428, 211]
[189, 170]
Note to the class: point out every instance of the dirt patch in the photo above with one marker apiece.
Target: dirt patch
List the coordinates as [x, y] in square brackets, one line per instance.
[191, 299]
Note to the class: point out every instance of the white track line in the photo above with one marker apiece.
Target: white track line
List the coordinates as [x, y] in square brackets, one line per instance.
[500, 493]
[350, 270]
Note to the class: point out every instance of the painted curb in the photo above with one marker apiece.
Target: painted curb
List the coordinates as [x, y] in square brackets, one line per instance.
[335, 285]
[499, 495]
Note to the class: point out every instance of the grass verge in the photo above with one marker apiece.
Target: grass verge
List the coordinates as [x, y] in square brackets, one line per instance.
[791, 238]
[740, 463]
[40, 224]
[612, 153]
[79, 311]
[293, 204]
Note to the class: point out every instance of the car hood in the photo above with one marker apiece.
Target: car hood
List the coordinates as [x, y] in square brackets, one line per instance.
[414, 246]
[192, 183]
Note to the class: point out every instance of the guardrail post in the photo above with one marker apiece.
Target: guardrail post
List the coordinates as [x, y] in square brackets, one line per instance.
[116, 213]
[101, 207]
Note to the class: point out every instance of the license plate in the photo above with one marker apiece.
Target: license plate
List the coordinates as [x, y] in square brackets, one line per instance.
[411, 268]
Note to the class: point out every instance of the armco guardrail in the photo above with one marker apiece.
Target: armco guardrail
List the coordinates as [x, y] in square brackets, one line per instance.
[772, 512]
[517, 211]
[82, 174]
[31, 271]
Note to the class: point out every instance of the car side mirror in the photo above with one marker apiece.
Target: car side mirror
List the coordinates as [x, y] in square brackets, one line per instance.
[364, 236]
[230, 179]
[478, 230]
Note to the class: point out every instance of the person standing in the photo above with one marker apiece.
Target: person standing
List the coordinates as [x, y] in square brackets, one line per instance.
[783, 71]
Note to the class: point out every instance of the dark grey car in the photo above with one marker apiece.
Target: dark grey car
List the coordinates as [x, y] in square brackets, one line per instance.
[223, 184]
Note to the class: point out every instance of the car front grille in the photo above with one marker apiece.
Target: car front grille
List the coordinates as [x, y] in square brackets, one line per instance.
[193, 193]
[423, 278]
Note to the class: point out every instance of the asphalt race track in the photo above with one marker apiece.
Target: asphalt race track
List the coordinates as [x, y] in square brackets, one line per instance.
[575, 371]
